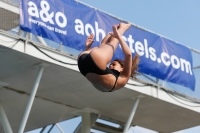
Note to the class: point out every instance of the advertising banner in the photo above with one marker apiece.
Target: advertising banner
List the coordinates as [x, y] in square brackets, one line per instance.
[68, 22]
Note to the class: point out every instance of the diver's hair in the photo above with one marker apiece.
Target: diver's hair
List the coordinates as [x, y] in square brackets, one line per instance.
[135, 62]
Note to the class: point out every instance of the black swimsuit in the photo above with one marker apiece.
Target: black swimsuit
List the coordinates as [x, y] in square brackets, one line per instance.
[87, 65]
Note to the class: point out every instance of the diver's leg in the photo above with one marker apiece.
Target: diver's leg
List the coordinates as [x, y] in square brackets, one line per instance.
[103, 55]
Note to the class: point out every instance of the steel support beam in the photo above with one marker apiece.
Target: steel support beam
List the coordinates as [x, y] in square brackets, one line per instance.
[61, 130]
[89, 117]
[51, 128]
[41, 40]
[4, 120]
[43, 129]
[158, 88]
[19, 32]
[128, 123]
[85, 122]
[32, 96]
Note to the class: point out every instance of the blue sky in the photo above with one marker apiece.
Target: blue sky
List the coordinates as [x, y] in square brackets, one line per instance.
[178, 20]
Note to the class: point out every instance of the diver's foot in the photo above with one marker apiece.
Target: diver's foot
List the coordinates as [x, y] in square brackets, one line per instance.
[124, 26]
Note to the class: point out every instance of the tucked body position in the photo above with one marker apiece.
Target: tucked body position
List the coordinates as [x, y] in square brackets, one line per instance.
[93, 62]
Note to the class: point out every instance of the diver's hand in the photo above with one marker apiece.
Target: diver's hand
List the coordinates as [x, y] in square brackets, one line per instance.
[89, 41]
